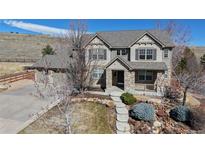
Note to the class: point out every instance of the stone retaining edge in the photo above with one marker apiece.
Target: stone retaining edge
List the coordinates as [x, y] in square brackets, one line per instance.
[37, 115]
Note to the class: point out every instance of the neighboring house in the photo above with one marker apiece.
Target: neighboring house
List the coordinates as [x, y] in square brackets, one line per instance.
[130, 60]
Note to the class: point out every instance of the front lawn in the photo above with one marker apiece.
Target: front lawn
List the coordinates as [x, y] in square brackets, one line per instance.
[88, 118]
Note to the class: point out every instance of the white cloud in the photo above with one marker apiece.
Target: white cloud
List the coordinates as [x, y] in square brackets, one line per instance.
[36, 28]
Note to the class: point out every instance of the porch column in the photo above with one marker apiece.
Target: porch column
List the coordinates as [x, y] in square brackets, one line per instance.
[129, 80]
[108, 78]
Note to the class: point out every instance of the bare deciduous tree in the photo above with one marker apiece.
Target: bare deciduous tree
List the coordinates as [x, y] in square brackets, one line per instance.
[185, 68]
[81, 64]
[73, 73]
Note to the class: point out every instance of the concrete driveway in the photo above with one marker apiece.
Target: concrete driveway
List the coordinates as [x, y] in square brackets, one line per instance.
[18, 104]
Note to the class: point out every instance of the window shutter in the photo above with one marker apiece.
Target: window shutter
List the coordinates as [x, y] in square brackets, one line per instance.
[90, 54]
[105, 54]
[154, 54]
[136, 54]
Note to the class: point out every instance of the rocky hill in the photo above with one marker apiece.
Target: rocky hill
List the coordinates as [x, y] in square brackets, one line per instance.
[23, 46]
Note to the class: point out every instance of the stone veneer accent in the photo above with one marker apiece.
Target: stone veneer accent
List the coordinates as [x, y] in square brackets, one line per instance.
[108, 78]
[129, 80]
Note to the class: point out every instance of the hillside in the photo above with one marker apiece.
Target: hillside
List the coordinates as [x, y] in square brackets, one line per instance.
[198, 51]
[23, 46]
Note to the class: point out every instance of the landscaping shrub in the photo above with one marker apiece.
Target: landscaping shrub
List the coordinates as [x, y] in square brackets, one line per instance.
[180, 113]
[128, 98]
[143, 111]
[197, 119]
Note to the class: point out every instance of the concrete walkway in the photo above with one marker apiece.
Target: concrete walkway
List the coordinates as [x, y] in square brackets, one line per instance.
[122, 114]
[17, 105]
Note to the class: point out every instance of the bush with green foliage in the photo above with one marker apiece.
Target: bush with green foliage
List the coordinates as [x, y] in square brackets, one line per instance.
[142, 111]
[180, 113]
[128, 98]
[48, 50]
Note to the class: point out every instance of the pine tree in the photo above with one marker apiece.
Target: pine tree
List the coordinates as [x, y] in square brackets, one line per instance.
[48, 50]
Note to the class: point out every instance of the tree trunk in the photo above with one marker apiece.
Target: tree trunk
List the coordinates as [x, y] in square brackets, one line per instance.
[184, 97]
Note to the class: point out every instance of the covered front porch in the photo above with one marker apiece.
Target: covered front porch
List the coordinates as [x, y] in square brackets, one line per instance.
[121, 76]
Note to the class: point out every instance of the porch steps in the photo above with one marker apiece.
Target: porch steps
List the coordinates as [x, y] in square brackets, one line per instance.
[114, 91]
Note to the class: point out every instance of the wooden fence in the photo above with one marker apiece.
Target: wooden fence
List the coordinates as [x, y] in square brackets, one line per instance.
[17, 76]
[21, 60]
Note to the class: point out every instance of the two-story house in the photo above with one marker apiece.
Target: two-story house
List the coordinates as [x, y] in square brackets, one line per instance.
[129, 60]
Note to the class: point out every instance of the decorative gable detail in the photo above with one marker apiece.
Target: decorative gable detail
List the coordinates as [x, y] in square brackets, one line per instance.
[147, 38]
[96, 40]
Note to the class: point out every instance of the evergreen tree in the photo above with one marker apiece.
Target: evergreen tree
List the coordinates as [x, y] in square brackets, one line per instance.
[48, 50]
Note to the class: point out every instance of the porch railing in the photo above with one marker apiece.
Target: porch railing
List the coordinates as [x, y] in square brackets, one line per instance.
[145, 87]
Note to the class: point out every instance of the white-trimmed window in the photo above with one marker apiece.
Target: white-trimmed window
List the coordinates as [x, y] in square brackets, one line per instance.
[142, 54]
[150, 54]
[97, 54]
[166, 53]
[145, 54]
[97, 73]
[145, 75]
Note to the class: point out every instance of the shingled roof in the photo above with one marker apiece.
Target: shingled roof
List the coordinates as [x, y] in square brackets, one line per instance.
[126, 38]
[139, 65]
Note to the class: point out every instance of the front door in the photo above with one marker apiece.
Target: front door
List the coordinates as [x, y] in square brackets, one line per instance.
[118, 79]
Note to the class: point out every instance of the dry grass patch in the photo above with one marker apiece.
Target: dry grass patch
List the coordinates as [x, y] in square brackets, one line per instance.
[11, 67]
[88, 118]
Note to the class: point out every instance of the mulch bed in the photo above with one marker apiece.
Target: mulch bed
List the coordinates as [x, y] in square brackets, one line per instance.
[168, 125]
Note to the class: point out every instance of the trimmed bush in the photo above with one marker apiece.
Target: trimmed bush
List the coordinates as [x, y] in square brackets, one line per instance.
[180, 113]
[143, 111]
[128, 98]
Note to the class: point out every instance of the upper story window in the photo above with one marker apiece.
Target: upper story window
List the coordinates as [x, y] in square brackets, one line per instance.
[97, 54]
[121, 52]
[150, 54]
[166, 53]
[141, 54]
[145, 54]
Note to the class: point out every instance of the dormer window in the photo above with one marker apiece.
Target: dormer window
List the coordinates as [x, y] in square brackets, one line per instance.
[145, 54]
[142, 54]
[150, 54]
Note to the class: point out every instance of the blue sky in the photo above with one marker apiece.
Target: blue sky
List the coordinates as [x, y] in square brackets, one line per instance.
[55, 26]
